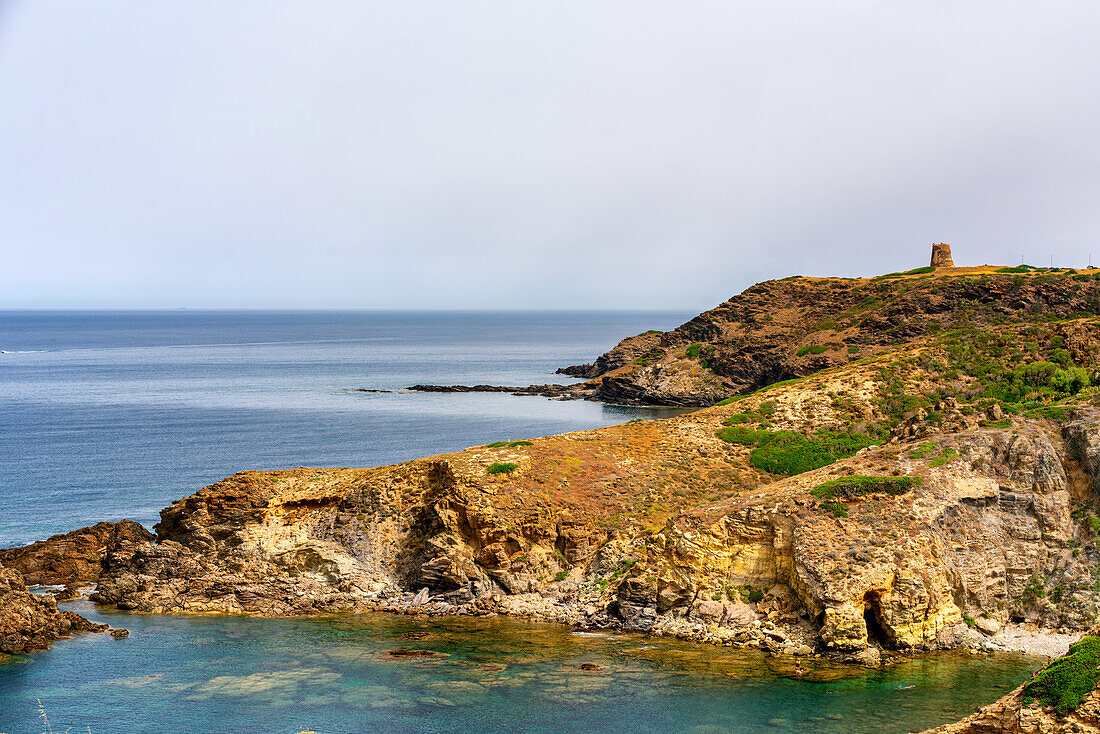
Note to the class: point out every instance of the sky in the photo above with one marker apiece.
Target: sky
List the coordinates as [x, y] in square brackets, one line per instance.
[522, 155]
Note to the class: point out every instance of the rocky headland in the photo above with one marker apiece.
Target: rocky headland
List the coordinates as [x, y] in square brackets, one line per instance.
[887, 465]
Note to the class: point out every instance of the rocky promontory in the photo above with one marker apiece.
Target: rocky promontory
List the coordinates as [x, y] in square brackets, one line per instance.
[924, 497]
[74, 557]
[790, 328]
[928, 477]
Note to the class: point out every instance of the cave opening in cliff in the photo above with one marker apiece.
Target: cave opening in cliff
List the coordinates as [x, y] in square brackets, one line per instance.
[876, 634]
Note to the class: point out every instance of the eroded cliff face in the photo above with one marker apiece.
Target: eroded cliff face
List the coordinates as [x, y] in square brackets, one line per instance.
[667, 526]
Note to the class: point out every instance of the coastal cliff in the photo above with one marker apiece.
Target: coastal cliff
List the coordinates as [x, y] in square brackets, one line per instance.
[931, 483]
[942, 485]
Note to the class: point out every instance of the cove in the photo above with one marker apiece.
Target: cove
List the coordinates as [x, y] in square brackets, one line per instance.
[336, 675]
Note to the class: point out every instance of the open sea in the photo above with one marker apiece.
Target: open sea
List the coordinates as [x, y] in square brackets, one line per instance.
[105, 415]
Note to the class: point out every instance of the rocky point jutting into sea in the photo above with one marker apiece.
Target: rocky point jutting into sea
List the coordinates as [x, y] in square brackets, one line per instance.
[900, 463]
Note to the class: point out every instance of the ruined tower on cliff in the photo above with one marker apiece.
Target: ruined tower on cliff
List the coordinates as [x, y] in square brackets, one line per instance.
[941, 256]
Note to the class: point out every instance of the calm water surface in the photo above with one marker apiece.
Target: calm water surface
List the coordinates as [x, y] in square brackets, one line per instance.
[238, 674]
[111, 415]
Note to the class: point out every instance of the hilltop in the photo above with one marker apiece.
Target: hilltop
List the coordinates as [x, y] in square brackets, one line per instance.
[790, 328]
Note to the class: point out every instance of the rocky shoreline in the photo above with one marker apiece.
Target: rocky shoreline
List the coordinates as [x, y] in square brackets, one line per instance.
[30, 622]
[934, 484]
[569, 392]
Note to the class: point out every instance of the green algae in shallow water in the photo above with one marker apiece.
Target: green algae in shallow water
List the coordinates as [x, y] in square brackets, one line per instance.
[331, 675]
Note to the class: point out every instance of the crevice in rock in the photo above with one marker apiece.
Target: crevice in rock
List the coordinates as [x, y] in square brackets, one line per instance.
[872, 616]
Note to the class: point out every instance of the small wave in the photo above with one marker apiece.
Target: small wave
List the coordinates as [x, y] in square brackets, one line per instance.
[21, 351]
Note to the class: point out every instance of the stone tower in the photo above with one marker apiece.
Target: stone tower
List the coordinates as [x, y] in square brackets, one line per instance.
[941, 256]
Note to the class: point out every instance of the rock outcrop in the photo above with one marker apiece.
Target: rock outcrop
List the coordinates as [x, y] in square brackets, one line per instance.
[76, 556]
[30, 622]
[1070, 701]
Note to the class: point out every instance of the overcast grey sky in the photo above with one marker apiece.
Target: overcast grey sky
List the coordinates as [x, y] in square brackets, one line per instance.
[532, 155]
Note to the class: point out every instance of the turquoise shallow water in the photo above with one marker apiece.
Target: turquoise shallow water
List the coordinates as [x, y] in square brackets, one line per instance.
[238, 674]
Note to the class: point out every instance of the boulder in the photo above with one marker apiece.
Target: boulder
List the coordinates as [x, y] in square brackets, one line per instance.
[708, 612]
[738, 614]
[987, 626]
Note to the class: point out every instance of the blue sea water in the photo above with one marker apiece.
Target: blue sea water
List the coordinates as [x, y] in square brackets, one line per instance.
[110, 415]
[117, 414]
[332, 675]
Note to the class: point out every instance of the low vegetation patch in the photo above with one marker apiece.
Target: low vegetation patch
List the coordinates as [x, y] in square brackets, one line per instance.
[839, 509]
[790, 452]
[508, 444]
[506, 467]
[858, 485]
[650, 356]
[700, 352]
[1067, 680]
[812, 349]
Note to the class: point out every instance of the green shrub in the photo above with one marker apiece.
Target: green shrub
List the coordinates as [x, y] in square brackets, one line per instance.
[649, 356]
[697, 351]
[729, 401]
[970, 621]
[742, 418]
[858, 485]
[1017, 269]
[789, 452]
[1067, 680]
[746, 592]
[811, 349]
[839, 509]
[560, 575]
[767, 409]
[1054, 412]
[919, 271]
[509, 444]
[1036, 588]
[502, 468]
